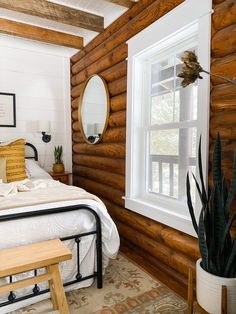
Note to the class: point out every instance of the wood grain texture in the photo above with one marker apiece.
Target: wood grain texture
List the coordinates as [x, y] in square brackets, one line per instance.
[56, 12]
[225, 66]
[124, 3]
[163, 234]
[114, 27]
[118, 87]
[170, 257]
[224, 42]
[223, 98]
[116, 150]
[117, 119]
[116, 181]
[103, 63]
[40, 34]
[115, 135]
[118, 102]
[101, 190]
[224, 14]
[104, 163]
[138, 23]
[32, 256]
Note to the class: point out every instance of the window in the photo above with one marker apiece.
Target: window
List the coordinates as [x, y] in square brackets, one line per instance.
[164, 120]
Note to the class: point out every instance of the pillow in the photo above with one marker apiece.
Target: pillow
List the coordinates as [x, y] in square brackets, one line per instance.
[3, 166]
[14, 152]
[34, 171]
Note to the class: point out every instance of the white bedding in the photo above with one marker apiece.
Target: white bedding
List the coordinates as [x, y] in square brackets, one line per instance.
[30, 230]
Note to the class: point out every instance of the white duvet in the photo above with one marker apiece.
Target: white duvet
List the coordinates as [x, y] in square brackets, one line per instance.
[44, 194]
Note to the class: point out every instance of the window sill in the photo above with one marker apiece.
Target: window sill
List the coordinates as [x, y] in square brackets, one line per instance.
[175, 220]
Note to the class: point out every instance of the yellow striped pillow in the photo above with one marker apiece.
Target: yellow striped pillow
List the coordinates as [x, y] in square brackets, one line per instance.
[14, 152]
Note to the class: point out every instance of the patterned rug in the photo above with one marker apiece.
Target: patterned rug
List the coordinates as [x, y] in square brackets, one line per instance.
[127, 290]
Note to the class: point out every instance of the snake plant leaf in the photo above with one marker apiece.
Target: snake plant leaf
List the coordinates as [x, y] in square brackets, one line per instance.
[190, 204]
[204, 195]
[216, 163]
[198, 188]
[226, 231]
[202, 241]
[232, 259]
[232, 188]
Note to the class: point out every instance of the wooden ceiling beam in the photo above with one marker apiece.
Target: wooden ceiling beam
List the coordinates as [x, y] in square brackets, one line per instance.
[124, 3]
[56, 12]
[40, 34]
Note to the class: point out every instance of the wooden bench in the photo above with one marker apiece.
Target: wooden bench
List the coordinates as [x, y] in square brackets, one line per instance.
[25, 258]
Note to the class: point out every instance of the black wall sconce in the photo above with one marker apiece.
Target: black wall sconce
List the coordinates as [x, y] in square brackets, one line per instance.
[44, 128]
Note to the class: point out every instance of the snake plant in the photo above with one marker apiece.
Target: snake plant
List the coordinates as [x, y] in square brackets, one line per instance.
[216, 242]
[58, 154]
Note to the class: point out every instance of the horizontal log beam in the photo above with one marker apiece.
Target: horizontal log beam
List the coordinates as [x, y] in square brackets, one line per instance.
[77, 137]
[223, 98]
[56, 12]
[76, 90]
[225, 66]
[114, 135]
[116, 181]
[156, 231]
[149, 15]
[40, 34]
[224, 14]
[102, 163]
[75, 126]
[101, 190]
[164, 254]
[117, 119]
[111, 29]
[118, 87]
[74, 115]
[106, 61]
[138, 23]
[224, 42]
[103, 149]
[124, 3]
[118, 102]
[75, 103]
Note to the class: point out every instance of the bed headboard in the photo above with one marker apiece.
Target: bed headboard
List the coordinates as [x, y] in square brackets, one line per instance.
[35, 155]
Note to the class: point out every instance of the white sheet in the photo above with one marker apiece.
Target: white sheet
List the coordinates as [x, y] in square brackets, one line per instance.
[30, 230]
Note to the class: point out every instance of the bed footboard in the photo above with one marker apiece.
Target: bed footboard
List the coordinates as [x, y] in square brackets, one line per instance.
[98, 232]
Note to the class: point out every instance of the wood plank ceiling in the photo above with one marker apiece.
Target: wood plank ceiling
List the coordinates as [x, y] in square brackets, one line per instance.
[70, 23]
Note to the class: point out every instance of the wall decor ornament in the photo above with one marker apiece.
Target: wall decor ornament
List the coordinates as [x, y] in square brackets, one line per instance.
[7, 110]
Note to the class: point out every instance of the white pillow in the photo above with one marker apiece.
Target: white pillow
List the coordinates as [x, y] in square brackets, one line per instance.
[34, 171]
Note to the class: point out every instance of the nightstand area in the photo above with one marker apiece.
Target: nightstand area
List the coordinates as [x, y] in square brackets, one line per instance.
[62, 177]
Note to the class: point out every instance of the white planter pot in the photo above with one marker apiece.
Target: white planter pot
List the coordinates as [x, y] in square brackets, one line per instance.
[208, 289]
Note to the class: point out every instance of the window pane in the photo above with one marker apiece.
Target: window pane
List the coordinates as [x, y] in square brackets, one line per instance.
[164, 142]
[173, 154]
[169, 101]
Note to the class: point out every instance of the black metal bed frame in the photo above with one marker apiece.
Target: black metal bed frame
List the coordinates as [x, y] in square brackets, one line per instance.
[77, 237]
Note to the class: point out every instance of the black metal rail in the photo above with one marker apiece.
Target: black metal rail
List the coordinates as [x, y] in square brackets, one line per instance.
[98, 232]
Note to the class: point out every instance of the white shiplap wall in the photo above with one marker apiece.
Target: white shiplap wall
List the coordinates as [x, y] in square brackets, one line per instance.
[39, 75]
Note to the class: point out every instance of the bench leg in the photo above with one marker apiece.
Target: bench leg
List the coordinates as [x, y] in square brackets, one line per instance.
[52, 292]
[59, 293]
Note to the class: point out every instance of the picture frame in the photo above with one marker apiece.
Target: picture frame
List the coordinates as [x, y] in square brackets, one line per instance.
[7, 110]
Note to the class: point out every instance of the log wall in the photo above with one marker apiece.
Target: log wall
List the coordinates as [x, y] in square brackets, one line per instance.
[100, 169]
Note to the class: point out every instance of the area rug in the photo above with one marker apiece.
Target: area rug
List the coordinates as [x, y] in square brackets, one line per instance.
[127, 290]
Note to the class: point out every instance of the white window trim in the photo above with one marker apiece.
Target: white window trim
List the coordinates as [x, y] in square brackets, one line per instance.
[179, 19]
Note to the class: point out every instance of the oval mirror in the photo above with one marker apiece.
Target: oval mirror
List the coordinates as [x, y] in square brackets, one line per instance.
[94, 109]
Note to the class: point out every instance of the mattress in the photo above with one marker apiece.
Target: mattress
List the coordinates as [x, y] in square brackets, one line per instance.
[35, 229]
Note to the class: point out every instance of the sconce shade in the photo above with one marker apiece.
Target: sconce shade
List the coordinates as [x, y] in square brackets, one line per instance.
[43, 126]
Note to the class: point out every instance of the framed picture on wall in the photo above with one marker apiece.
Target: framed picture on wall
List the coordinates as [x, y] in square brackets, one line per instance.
[7, 110]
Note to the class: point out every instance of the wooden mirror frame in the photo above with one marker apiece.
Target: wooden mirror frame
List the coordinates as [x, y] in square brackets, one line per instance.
[80, 109]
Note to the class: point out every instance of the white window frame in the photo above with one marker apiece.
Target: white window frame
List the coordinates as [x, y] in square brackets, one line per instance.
[179, 22]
